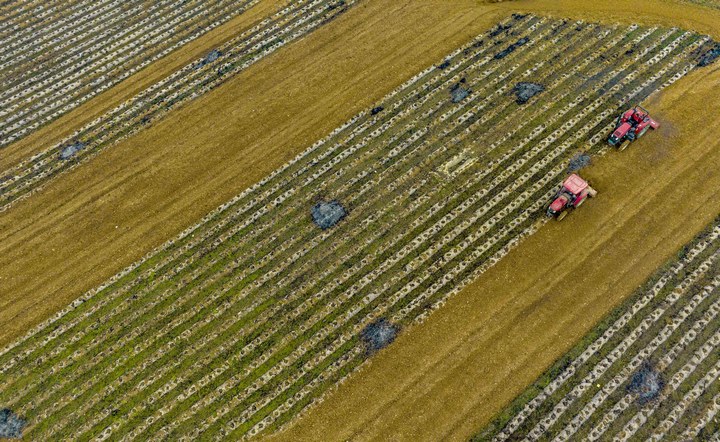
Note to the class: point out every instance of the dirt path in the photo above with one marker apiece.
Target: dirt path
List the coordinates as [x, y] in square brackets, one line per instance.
[444, 379]
[92, 222]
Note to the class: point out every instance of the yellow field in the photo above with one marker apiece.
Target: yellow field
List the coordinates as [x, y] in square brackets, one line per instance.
[92, 222]
[445, 378]
[442, 379]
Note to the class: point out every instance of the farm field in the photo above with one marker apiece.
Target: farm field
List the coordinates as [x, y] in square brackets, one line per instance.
[64, 241]
[255, 312]
[197, 77]
[426, 188]
[56, 56]
[73, 120]
[648, 372]
[450, 375]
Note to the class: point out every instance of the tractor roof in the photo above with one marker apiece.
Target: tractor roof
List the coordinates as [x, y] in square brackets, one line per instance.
[575, 184]
[622, 130]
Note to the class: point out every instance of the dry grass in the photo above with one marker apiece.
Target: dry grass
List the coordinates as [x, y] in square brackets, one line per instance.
[92, 222]
[452, 373]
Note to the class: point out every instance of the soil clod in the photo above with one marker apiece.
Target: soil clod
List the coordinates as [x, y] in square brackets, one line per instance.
[459, 93]
[379, 334]
[327, 213]
[11, 425]
[524, 91]
[578, 161]
[209, 58]
[70, 150]
[336, 5]
[510, 49]
[710, 56]
[646, 383]
[499, 29]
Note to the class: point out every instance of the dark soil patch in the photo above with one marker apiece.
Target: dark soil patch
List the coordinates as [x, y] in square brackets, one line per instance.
[71, 150]
[209, 58]
[499, 29]
[510, 49]
[709, 56]
[11, 425]
[445, 64]
[458, 92]
[646, 383]
[579, 161]
[336, 5]
[524, 91]
[379, 334]
[327, 213]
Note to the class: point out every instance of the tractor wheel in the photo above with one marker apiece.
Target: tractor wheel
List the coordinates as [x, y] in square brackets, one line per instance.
[562, 215]
[642, 132]
[581, 203]
[623, 145]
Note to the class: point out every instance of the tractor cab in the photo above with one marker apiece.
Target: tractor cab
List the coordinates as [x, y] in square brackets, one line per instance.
[632, 124]
[621, 132]
[635, 115]
[573, 192]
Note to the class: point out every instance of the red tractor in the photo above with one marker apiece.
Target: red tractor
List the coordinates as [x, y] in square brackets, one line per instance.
[630, 126]
[572, 194]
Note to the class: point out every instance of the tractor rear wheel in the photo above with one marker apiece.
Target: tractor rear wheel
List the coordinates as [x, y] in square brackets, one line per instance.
[562, 215]
[642, 132]
[624, 145]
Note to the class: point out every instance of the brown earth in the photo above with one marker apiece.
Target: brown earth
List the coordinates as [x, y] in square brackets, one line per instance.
[93, 221]
[445, 378]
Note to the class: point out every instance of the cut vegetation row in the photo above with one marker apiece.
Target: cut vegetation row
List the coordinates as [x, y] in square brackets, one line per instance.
[648, 372]
[196, 78]
[251, 315]
[55, 60]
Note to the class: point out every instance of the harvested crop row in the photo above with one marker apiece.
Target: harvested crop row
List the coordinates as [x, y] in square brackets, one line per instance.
[183, 85]
[249, 316]
[652, 373]
[52, 68]
[87, 48]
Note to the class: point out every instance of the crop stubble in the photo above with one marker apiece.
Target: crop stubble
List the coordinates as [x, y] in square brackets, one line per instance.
[235, 327]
